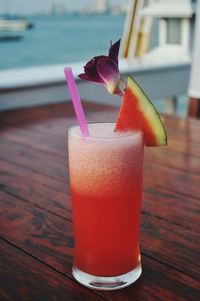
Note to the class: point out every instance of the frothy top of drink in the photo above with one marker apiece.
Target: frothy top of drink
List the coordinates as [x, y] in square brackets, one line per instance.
[103, 131]
[105, 160]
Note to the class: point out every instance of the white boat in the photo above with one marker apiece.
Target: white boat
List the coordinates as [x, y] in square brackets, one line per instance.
[14, 25]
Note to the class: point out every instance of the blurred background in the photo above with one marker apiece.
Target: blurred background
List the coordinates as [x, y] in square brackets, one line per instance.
[60, 30]
[40, 34]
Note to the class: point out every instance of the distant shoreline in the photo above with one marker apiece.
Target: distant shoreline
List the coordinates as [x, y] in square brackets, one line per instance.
[61, 14]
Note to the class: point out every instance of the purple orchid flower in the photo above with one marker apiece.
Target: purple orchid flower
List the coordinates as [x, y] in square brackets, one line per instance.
[104, 70]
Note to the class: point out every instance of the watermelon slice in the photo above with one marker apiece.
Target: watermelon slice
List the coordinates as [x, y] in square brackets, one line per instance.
[138, 113]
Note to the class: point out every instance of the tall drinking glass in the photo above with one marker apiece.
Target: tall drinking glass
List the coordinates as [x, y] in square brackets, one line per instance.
[106, 171]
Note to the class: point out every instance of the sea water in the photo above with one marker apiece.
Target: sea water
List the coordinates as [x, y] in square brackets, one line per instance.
[62, 39]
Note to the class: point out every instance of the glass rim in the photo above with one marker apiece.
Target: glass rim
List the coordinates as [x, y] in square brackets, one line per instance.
[127, 135]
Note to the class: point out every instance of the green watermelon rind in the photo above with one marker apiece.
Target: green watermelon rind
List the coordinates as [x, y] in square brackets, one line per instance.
[149, 111]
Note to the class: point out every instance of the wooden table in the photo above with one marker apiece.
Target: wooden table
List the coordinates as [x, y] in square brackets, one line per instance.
[36, 244]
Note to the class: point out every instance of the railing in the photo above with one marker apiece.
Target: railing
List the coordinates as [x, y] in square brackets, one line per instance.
[46, 84]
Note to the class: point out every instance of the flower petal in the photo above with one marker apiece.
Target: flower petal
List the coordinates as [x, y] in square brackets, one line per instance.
[109, 72]
[114, 51]
[90, 78]
[90, 70]
[104, 69]
[91, 65]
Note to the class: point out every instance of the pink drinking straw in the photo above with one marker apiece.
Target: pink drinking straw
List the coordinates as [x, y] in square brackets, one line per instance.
[76, 101]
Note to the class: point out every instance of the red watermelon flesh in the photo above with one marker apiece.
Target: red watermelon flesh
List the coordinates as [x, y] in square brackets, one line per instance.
[138, 113]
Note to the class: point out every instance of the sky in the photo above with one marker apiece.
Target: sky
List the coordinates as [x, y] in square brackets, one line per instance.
[37, 6]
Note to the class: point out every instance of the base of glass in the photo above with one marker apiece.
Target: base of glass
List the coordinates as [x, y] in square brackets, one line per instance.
[107, 283]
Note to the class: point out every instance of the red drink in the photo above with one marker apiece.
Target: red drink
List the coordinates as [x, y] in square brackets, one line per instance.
[106, 187]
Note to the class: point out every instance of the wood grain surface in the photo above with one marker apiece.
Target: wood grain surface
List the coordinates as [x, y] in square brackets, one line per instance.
[36, 230]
